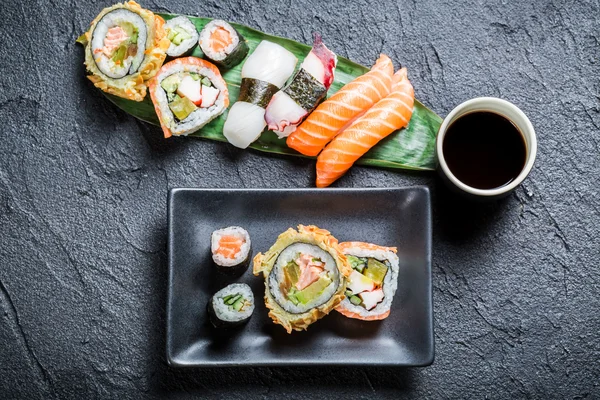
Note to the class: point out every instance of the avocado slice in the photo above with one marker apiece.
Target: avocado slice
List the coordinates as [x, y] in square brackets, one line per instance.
[170, 83]
[376, 270]
[182, 107]
[313, 290]
[292, 273]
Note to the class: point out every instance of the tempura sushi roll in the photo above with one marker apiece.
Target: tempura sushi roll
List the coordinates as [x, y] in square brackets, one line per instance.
[125, 47]
[231, 306]
[289, 106]
[182, 34]
[304, 274]
[231, 250]
[188, 93]
[372, 284]
[222, 44]
[265, 71]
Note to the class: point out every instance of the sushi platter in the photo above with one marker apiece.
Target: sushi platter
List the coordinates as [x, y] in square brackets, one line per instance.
[337, 276]
[226, 311]
[282, 102]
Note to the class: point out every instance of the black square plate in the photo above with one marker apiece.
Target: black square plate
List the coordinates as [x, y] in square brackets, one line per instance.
[398, 217]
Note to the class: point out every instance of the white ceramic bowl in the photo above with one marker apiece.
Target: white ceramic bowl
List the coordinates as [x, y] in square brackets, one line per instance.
[507, 110]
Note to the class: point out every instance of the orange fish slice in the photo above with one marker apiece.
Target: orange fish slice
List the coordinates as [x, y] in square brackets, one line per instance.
[229, 246]
[388, 115]
[342, 108]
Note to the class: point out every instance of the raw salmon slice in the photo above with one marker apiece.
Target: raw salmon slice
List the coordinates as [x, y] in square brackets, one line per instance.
[229, 246]
[388, 115]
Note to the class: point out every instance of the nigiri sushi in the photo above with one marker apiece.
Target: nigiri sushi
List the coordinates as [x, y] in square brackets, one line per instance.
[342, 108]
[388, 115]
[308, 88]
[263, 74]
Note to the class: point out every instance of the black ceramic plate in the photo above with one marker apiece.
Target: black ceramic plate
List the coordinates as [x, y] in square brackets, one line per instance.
[398, 217]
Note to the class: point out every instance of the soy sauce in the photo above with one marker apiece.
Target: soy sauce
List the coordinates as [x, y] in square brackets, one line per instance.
[484, 150]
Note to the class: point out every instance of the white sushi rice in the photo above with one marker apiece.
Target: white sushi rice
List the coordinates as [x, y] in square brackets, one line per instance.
[240, 256]
[390, 282]
[197, 118]
[132, 63]
[277, 276]
[187, 25]
[225, 312]
[207, 32]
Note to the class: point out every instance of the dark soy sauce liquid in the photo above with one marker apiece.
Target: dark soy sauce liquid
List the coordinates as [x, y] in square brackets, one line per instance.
[484, 150]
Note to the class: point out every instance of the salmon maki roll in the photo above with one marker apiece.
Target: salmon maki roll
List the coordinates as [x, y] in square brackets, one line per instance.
[388, 115]
[222, 44]
[231, 250]
[124, 47]
[335, 113]
[372, 283]
[305, 276]
[187, 94]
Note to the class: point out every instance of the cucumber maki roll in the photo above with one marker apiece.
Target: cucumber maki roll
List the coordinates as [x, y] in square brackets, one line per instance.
[222, 44]
[231, 306]
[124, 47]
[372, 284]
[304, 274]
[231, 250]
[182, 34]
[188, 93]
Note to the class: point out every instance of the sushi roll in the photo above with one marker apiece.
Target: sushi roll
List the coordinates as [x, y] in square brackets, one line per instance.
[308, 88]
[372, 284]
[304, 274]
[265, 71]
[124, 47]
[188, 93]
[182, 34]
[222, 44]
[231, 306]
[231, 250]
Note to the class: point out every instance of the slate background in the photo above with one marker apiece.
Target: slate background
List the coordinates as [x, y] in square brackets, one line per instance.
[83, 197]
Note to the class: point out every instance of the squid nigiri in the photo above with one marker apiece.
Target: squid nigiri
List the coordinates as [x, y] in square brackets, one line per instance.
[342, 108]
[388, 115]
[291, 105]
[263, 74]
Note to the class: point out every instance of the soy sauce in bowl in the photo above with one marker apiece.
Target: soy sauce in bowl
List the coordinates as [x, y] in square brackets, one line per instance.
[484, 150]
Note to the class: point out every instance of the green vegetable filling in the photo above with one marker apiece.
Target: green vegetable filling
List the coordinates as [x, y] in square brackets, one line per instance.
[235, 301]
[177, 35]
[376, 270]
[357, 263]
[355, 300]
[310, 292]
[182, 107]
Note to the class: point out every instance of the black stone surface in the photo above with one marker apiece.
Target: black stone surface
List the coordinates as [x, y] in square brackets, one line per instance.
[83, 191]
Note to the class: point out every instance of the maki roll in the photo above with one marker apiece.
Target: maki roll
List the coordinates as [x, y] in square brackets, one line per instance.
[372, 284]
[231, 306]
[222, 44]
[304, 274]
[231, 250]
[187, 94]
[182, 34]
[263, 74]
[124, 47]
[308, 88]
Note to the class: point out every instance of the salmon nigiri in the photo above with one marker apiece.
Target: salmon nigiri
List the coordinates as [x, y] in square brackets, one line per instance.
[342, 108]
[388, 115]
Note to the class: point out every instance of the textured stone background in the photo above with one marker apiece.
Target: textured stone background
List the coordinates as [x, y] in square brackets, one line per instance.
[83, 196]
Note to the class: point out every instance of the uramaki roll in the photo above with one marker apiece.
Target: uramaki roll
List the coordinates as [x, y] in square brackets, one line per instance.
[124, 47]
[187, 94]
[372, 284]
[304, 275]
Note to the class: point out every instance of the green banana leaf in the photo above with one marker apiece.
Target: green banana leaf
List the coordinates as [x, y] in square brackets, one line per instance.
[409, 148]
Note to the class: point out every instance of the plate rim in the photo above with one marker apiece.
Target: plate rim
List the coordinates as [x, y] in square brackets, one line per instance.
[171, 357]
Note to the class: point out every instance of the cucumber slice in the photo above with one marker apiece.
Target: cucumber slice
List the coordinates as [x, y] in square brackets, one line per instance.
[237, 306]
[355, 300]
[206, 82]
